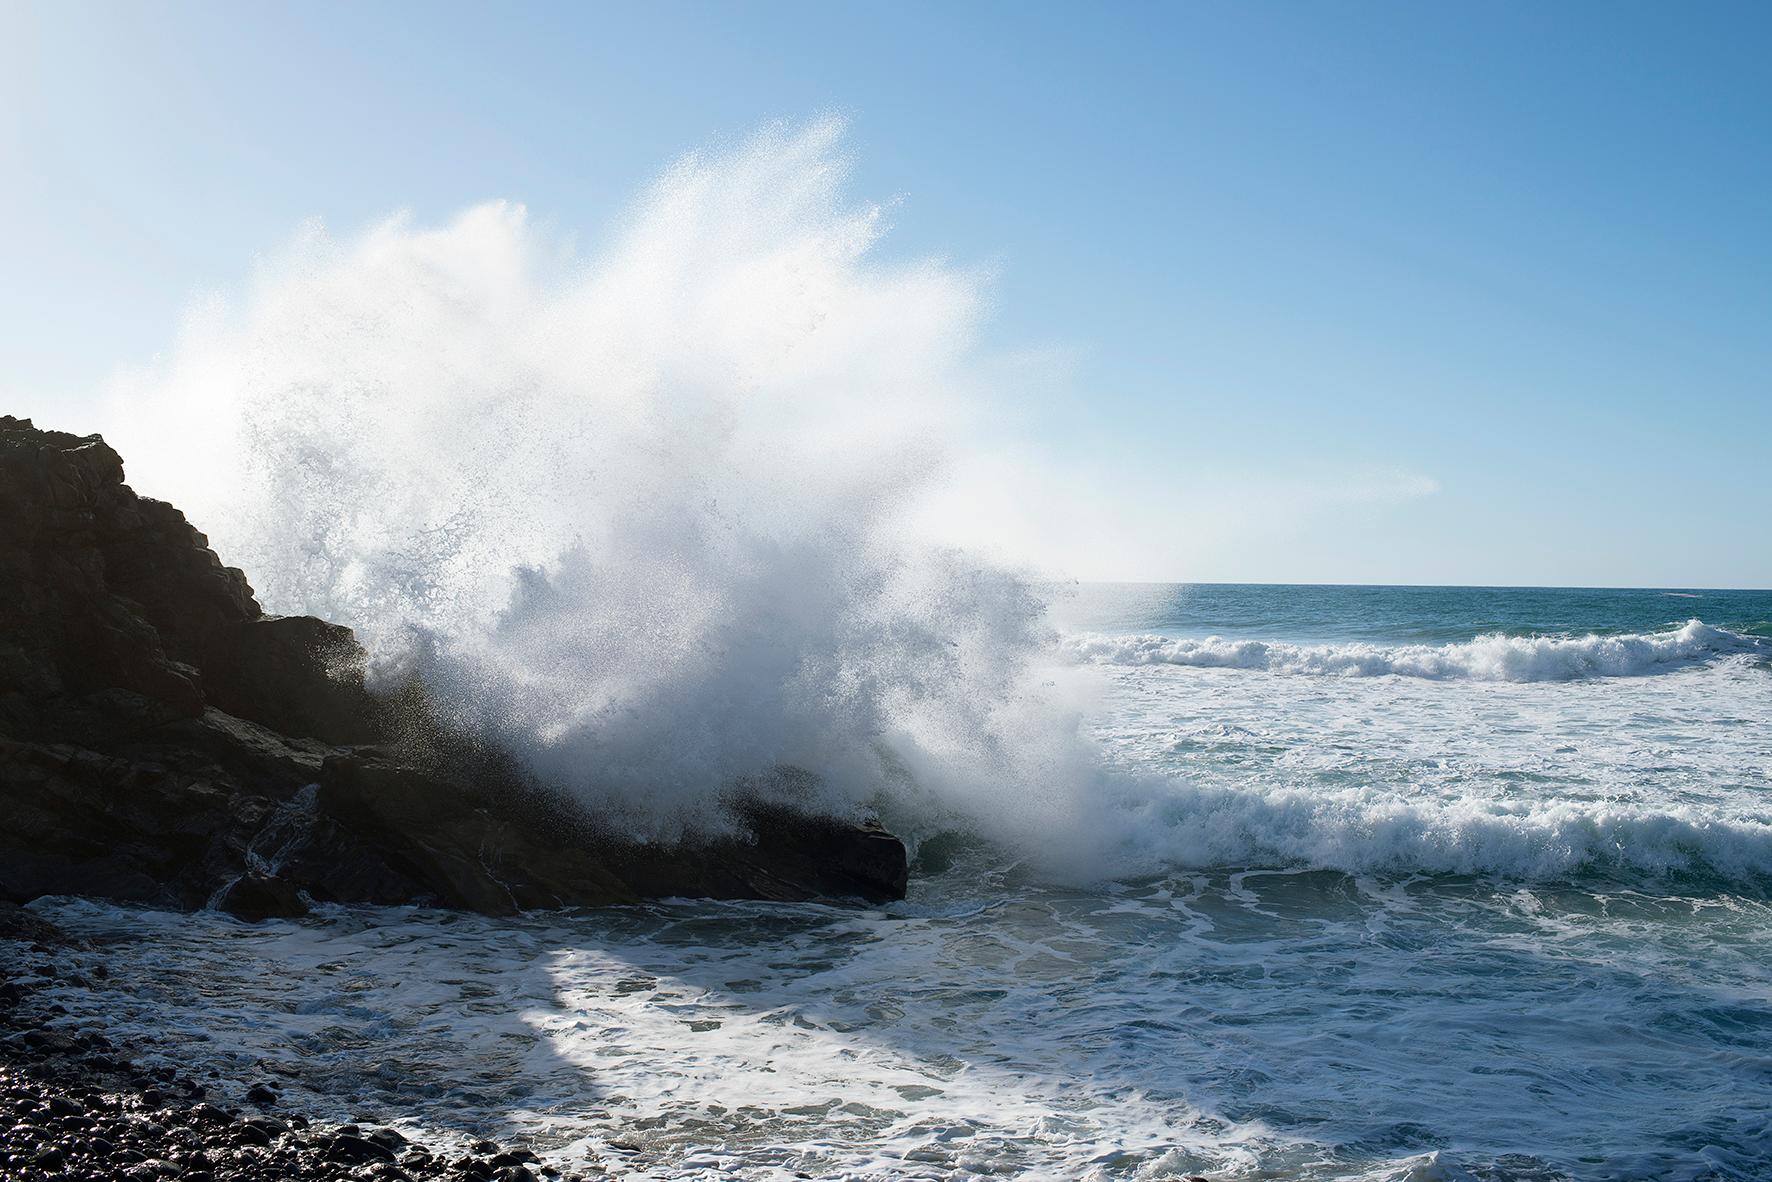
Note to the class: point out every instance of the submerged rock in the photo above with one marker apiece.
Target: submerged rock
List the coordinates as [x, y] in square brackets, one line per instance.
[163, 740]
[18, 924]
[254, 896]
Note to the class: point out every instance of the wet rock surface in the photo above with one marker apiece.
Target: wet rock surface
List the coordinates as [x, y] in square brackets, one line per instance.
[164, 741]
[73, 1106]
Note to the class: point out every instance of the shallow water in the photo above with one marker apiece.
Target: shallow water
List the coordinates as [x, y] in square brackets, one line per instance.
[1306, 1025]
[1402, 927]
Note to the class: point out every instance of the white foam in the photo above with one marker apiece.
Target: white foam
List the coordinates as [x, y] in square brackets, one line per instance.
[1180, 824]
[1493, 657]
[641, 518]
[1636, 777]
[1210, 1024]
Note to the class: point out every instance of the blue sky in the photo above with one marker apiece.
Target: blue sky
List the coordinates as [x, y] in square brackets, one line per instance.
[1357, 292]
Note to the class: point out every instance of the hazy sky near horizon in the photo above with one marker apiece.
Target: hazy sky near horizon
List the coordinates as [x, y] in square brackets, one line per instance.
[1374, 292]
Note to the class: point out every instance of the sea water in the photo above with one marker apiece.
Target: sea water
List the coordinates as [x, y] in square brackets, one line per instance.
[1423, 883]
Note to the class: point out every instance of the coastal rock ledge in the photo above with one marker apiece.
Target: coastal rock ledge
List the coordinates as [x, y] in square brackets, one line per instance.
[164, 741]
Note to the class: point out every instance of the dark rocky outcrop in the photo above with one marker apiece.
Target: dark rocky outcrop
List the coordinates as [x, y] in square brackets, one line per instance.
[163, 740]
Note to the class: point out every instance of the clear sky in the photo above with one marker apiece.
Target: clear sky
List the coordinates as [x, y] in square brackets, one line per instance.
[1356, 292]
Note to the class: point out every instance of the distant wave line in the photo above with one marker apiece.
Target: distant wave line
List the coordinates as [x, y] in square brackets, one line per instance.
[1492, 657]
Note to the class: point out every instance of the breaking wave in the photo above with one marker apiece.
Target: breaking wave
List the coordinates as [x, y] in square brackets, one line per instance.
[1180, 825]
[648, 519]
[1487, 658]
[641, 516]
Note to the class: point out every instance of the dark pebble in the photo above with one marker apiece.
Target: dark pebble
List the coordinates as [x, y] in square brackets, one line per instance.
[209, 1114]
[344, 1147]
[248, 1134]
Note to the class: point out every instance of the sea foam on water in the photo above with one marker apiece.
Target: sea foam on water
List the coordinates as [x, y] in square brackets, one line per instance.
[1493, 657]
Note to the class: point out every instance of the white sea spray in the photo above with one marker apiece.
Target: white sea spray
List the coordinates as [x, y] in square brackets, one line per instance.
[640, 516]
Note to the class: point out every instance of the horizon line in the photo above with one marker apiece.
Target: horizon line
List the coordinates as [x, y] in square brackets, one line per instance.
[1667, 587]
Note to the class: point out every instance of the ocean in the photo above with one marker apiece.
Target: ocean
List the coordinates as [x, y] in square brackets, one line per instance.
[1411, 883]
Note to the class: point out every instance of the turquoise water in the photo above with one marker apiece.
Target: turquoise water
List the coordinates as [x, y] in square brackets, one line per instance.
[1383, 883]
[1399, 615]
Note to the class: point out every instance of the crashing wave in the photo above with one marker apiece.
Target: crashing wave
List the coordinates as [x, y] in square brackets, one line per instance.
[1494, 657]
[1181, 825]
[641, 516]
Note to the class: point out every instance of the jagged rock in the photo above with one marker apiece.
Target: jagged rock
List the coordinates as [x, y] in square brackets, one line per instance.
[390, 827]
[18, 924]
[164, 741]
[114, 593]
[254, 897]
[301, 675]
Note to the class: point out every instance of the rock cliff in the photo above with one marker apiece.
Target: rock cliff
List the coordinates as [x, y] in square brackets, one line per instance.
[163, 740]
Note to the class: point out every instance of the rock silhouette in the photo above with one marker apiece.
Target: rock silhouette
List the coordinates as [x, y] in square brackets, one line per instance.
[164, 741]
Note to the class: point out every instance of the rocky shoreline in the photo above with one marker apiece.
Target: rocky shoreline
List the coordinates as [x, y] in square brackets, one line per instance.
[165, 741]
[75, 1106]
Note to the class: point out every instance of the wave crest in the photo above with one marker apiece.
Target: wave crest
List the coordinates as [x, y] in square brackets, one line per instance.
[1179, 825]
[1494, 657]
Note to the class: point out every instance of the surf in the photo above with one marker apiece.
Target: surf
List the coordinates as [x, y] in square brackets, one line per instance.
[642, 514]
[1492, 657]
[637, 513]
